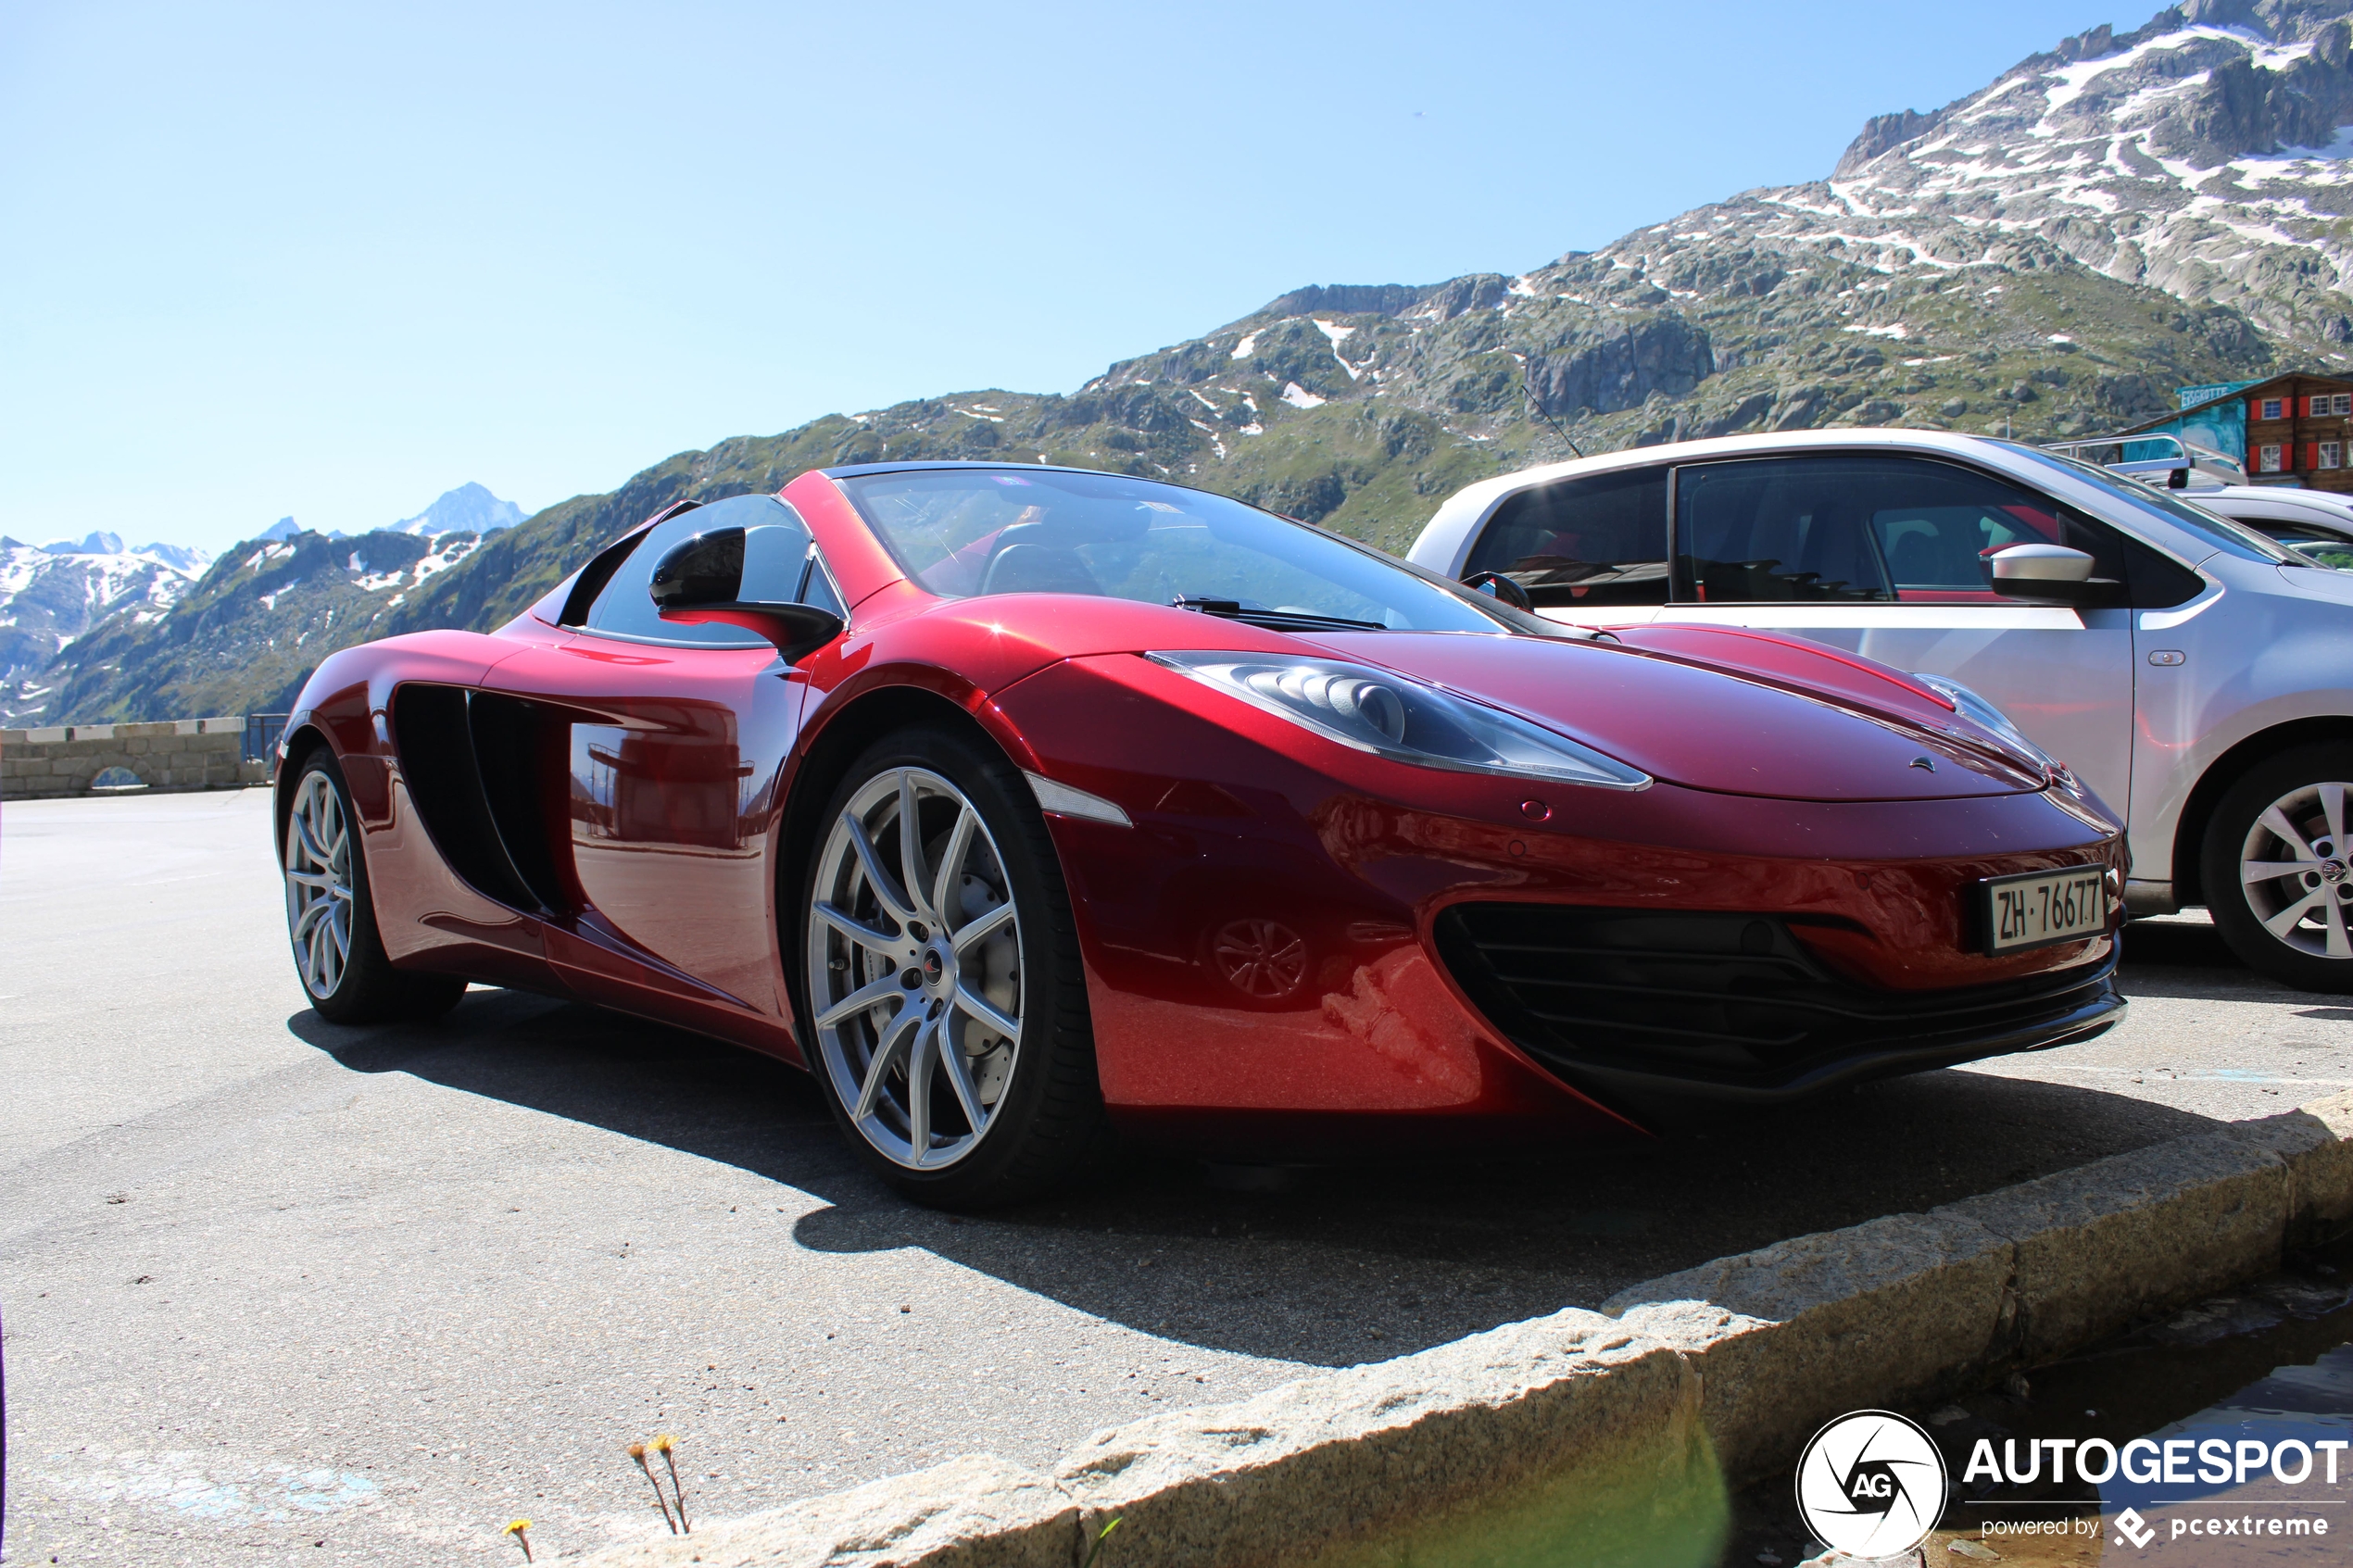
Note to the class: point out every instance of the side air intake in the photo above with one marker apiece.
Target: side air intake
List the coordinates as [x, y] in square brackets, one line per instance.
[472, 764]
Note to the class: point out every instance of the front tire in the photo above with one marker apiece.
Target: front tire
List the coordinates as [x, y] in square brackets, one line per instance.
[338, 953]
[2278, 867]
[947, 1009]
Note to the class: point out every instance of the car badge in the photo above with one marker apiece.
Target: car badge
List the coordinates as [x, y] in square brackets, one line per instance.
[1927, 762]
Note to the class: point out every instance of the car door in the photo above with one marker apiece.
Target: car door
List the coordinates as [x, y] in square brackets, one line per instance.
[1882, 555]
[675, 740]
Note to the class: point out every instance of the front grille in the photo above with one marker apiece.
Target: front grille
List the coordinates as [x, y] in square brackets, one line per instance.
[1730, 1002]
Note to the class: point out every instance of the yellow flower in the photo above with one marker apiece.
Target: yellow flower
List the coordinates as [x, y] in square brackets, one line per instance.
[664, 1442]
[517, 1527]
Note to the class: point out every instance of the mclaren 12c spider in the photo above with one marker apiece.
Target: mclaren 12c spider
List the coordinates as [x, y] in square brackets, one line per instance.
[1024, 805]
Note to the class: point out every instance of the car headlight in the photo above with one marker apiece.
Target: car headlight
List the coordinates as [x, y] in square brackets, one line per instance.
[1405, 720]
[1986, 716]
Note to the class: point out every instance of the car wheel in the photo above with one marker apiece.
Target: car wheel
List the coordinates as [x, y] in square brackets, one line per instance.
[337, 951]
[946, 1005]
[2278, 867]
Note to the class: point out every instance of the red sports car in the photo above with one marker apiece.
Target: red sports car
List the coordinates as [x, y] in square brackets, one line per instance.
[1019, 804]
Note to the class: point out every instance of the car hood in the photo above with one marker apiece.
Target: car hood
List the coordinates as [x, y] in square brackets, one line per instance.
[1781, 720]
[1733, 710]
[2318, 582]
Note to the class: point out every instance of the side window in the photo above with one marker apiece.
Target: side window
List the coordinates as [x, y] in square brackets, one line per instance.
[818, 589]
[1861, 528]
[1598, 541]
[775, 554]
[2155, 580]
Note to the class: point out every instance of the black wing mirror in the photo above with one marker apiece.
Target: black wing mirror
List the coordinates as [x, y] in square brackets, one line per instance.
[2050, 572]
[1496, 585]
[700, 581]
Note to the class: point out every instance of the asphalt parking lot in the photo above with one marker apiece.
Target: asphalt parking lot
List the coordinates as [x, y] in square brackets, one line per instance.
[333, 1294]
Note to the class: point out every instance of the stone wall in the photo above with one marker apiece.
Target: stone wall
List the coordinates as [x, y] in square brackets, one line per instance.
[183, 754]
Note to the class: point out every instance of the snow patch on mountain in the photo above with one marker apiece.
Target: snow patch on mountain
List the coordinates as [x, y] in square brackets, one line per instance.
[446, 553]
[51, 595]
[469, 508]
[2204, 155]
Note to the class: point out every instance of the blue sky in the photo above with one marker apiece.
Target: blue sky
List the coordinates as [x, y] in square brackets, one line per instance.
[329, 261]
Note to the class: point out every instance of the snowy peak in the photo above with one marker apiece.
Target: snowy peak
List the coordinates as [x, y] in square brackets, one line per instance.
[183, 558]
[2297, 45]
[469, 508]
[52, 596]
[246, 634]
[2204, 154]
[95, 545]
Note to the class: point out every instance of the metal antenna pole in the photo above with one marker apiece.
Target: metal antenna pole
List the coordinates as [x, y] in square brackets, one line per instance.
[1527, 389]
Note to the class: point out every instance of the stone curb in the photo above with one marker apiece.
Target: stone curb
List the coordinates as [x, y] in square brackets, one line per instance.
[1724, 1370]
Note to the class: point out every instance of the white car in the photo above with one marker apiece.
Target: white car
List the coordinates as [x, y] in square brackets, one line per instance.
[2196, 673]
[2315, 523]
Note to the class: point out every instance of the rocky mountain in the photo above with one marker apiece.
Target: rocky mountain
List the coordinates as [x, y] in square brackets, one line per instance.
[52, 594]
[82, 625]
[2051, 256]
[183, 558]
[242, 637]
[2203, 153]
[469, 508]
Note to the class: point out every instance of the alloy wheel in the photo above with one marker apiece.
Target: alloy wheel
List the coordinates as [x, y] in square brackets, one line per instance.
[2297, 871]
[914, 968]
[319, 889]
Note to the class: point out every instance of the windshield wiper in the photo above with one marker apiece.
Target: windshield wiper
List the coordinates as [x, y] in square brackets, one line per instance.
[1275, 620]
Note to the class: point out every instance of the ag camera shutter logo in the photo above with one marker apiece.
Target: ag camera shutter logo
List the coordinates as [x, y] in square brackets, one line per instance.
[1870, 1484]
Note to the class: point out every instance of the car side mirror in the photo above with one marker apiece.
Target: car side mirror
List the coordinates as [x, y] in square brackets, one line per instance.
[699, 580]
[2050, 572]
[1496, 585]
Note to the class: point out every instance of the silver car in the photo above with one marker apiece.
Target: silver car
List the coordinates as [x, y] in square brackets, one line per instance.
[2197, 674]
[2315, 523]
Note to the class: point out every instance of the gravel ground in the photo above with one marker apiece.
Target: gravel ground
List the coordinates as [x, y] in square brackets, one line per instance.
[275, 1289]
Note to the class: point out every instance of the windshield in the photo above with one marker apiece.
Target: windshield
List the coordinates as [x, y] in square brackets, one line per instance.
[964, 533]
[2220, 532]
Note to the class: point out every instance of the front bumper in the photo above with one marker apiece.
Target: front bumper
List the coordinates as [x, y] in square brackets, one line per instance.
[1635, 1005]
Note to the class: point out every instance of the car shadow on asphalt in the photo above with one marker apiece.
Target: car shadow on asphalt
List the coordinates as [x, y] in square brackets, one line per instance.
[1328, 1266]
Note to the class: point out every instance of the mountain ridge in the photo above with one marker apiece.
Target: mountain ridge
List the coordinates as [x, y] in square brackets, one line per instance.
[53, 596]
[2007, 263]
